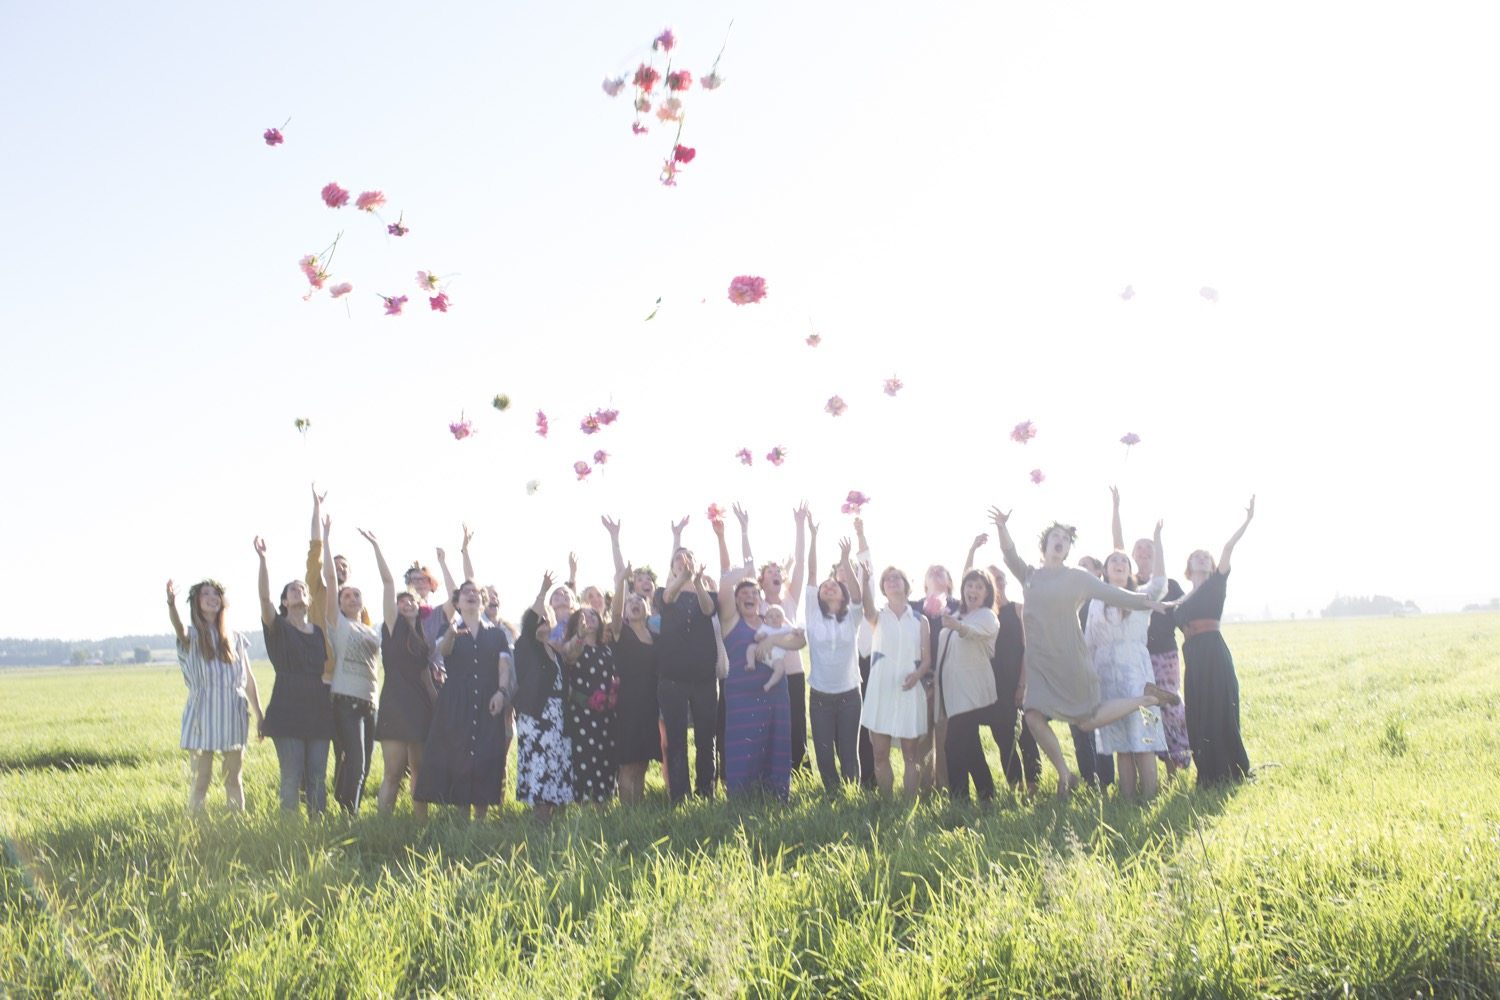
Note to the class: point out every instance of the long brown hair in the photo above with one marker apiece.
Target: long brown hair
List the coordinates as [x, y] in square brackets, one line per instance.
[211, 633]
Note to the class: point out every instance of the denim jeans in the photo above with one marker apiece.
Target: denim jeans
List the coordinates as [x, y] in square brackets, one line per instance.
[835, 734]
[304, 773]
[354, 742]
[678, 701]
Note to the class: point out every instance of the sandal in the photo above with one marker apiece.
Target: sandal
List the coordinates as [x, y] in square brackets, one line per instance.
[1162, 695]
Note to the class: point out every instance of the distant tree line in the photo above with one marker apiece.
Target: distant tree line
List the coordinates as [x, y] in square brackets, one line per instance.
[1348, 607]
[113, 650]
[1494, 605]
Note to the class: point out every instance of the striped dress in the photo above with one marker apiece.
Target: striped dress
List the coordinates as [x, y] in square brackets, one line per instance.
[216, 717]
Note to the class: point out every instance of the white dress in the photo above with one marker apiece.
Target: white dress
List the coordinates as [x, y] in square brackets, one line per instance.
[895, 652]
[1117, 646]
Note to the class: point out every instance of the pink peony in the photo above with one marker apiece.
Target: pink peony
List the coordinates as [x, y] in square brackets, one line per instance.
[664, 41]
[312, 270]
[835, 405]
[893, 385]
[541, 423]
[341, 289]
[273, 137]
[638, 128]
[1128, 293]
[776, 455]
[716, 513]
[582, 469]
[601, 456]
[613, 85]
[853, 502]
[427, 281]
[679, 80]
[813, 340]
[746, 289]
[589, 425]
[334, 196]
[393, 305]
[1130, 439]
[1023, 432]
[439, 302]
[683, 154]
[462, 429]
[745, 456]
[1037, 477]
[606, 417]
[711, 81]
[369, 201]
[645, 78]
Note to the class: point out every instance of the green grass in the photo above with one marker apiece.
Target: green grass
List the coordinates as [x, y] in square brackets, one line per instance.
[1364, 861]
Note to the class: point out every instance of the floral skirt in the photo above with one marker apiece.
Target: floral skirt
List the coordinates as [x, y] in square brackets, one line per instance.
[1168, 670]
[544, 757]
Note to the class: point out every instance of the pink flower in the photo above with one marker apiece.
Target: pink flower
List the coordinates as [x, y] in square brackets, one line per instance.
[1210, 294]
[341, 289]
[1130, 439]
[1023, 432]
[439, 302]
[312, 270]
[679, 80]
[462, 429]
[664, 41]
[426, 280]
[589, 425]
[813, 340]
[1037, 477]
[716, 513]
[670, 110]
[397, 229]
[596, 700]
[638, 128]
[601, 456]
[745, 456]
[746, 289]
[541, 423]
[369, 201]
[1128, 293]
[613, 85]
[582, 469]
[273, 137]
[645, 78]
[683, 154]
[893, 385]
[853, 502]
[835, 405]
[334, 196]
[606, 417]
[711, 81]
[642, 105]
[393, 305]
[669, 173]
[776, 455]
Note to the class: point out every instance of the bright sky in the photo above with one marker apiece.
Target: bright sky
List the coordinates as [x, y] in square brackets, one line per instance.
[956, 198]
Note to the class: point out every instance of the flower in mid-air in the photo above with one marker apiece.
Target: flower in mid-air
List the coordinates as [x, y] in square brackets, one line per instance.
[710, 81]
[601, 456]
[638, 128]
[645, 78]
[582, 469]
[501, 402]
[439, 302]
[813, 340]
[606, 416]
[589, 425]
[1128, 293]
[664, 41]
[1023, 432]
[462, 428]
[532, 486]
[341, 289]
[1209, 294]
[541, 423]
[679, 79]
[835, 405]
[273, 137]
[313, 271]
[893, 385]
[1130, 439]
[613, 85]
[1037, 477]
[745, 456]
[302, 424]
[776, 455]
[683, 154]
[427, 280]
[853, 502]
[334, 196]
[393, 304]
[716, 513]
[746, 289]
[369, 201]
[397, 229]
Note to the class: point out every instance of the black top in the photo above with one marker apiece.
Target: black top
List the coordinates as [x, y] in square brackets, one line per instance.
[536, 668]
[685, 649]
[1160, 636]
[1010, 644]
[300, 707]
[405, 709]
[1206, 601]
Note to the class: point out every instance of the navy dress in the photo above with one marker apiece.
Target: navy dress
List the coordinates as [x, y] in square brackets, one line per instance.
[464, 760]
[636, 724]
[1211, 687]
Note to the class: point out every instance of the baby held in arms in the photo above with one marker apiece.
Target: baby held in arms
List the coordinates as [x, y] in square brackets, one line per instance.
[773, 626]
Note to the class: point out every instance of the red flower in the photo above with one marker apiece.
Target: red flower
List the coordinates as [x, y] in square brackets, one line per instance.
[273, 137]
[439, 302]
[334, 196]
[684, 154]
[646, 78]
[679, 80]
[541, 423]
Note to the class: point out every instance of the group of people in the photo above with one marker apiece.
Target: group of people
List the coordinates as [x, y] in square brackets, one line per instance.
[594, 685]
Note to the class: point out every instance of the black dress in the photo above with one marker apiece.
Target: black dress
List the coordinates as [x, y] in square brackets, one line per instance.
[636, 721]
[593, 695]
[405, 709]
[300, 708]
[1212, 691]
[464, 759]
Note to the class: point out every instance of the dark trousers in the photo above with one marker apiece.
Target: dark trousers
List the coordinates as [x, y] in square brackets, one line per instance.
[354, 746]
[1020, 757]
[966, 755]
[835, 733]
[679, 701]
[866, 748]
[796, 690]
[1094, 768]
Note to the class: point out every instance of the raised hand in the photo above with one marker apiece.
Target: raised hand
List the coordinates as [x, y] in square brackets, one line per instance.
[800, 514]
[1000, 518]
[260, 546]
[368, 536]
[677, 526]
[980, 540]
[318, 498]
[546, 581]
[572, 567]
[468, 537]
[845, 546]
[327, 524]
[442, 555]
[610, 525]
[1250, 509]
[743, 515]
[1114, 493]
[1157, 534]
[171, 592]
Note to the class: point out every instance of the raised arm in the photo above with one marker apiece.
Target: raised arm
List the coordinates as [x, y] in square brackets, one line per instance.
[677, 527]
[1117, 533]
[330, 581]
[452, 587]
[718, 527]
[856, 595]
[1234, 538]
[182, 638]
[798, 575]
[314, 575]
[617, 603]
[812, 554]
[464, 549]
[700, 588]
[613, 527]
[573, 573]
[872, 615]
[1096, 589]
[980, 540]
[1156, 587]
[540, 604]
[387, 581]
[1013, 560]
[267, 609]
[744, 518]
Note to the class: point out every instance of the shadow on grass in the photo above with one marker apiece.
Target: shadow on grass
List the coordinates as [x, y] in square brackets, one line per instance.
[68, 759]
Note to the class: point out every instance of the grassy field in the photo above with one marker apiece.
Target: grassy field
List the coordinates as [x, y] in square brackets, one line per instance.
[1364, 861]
